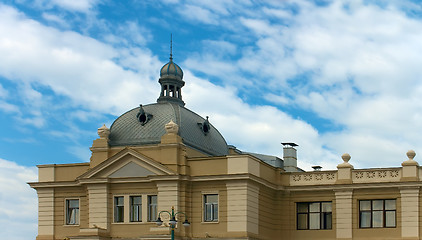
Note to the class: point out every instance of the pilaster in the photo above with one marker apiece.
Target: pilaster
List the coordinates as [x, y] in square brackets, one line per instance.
[98, 205]
[410, 212]
[344, 214]
[168, 196]
[45, 213]
[242, 207]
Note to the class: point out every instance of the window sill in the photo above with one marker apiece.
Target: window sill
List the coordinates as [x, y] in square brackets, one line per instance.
[71, 225]
[213, 222]
[133, 223]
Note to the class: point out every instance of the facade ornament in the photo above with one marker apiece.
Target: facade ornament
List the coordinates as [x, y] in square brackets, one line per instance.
[172, 128]
[103, 132]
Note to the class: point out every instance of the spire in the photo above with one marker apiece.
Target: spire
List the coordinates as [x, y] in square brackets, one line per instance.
[171, 47]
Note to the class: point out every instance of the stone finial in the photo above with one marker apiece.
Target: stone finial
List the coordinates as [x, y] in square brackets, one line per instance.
[411, 155]
[103, 132]
[346, 158]
[172, 128]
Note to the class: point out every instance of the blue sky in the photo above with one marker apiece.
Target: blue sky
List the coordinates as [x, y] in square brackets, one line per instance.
[331, 76]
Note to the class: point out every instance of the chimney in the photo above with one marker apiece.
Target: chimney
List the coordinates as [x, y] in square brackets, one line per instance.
[290, 157]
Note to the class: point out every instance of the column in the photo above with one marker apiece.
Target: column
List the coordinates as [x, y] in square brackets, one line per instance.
[242, 207]
[98, 205]
[344, 214]
[45, 213]
[410, 212]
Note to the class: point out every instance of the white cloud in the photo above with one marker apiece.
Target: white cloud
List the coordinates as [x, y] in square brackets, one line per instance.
[3, 92]
[8, 108]
[56, 19]
[69, 5]
[352, 63]
[73, 65]
[197, 13]
[81, 152]
[258, 129]
[18, 202]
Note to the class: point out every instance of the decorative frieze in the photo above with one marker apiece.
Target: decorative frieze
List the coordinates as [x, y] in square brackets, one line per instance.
[376, 175]
[313, 178]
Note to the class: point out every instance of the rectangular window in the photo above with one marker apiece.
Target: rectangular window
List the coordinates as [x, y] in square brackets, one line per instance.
[119, 209]
[136, 209]
[152, 208]
[211, 208]
[377, 213]
[72, 211]
[314, 215]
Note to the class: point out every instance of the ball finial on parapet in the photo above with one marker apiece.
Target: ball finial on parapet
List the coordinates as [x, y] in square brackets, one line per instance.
[346, 157]
[411, 154]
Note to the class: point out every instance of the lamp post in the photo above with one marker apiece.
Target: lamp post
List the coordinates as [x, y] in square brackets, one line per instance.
[173, 220]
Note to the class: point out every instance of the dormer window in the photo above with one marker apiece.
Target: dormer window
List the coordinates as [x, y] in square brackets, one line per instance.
[205, 126]
[143, 117]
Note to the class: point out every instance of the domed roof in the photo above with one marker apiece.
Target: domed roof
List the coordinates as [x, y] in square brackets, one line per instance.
[171, 69]
[144, 125]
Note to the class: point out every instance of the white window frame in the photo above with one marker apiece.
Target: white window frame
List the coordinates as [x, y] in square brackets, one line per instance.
[131, 210]
[214, 220]
[114, 208]
[66, 223]
[149, 217]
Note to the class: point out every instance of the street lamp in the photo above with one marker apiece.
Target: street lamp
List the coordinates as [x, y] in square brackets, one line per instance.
[173, 220]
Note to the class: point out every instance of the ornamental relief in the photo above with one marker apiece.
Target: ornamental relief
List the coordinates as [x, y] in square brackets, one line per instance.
[376, 175]
[313, 178]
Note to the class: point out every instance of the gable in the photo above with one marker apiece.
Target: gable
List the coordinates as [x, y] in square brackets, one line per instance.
[131, 170]
[125, 164]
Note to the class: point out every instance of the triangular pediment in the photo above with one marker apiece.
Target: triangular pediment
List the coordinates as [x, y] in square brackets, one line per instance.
[131, 169]
[126, 164]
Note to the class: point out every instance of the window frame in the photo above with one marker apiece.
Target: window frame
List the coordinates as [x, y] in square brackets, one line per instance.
[213, 205]
[131, 209]
[151, 205]
[323, 216]
[371, 211]
[116, 207]
[66, 208]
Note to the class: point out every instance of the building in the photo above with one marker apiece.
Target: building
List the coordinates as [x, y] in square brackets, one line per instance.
[163, 155]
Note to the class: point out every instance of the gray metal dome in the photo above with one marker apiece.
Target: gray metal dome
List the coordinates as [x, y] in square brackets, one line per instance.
[171, 69]
[144, 125]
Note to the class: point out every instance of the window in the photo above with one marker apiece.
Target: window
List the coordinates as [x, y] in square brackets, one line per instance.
[211, 208]
[119, 209]
[377, 213]
[136, 209]
[72, 211]
[314, 215]
[152, 208]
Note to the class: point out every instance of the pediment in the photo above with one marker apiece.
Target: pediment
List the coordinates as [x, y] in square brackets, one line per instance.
[131, 169]
[125, 164]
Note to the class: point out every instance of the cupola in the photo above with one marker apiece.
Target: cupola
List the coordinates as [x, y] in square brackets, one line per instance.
[171, 81]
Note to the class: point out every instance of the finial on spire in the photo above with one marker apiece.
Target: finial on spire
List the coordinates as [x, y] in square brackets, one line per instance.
[171, 46]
